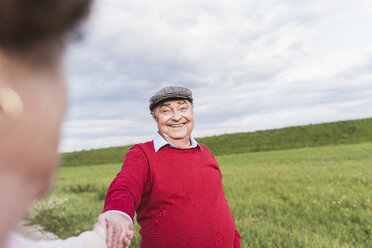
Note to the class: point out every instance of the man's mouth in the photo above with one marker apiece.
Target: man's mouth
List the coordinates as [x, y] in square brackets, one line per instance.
[177, 125]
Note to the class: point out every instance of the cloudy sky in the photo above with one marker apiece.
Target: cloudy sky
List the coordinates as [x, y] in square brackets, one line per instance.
[251, 65]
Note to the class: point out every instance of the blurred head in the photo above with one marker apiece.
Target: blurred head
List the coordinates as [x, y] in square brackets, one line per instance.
[32, 95]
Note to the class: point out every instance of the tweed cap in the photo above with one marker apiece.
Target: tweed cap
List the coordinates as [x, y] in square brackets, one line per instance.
[170, 92]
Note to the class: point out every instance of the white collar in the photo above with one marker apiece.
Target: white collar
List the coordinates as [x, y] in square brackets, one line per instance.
[159, 142]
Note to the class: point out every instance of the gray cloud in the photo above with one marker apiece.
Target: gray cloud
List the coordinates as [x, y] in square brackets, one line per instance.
[251, 65]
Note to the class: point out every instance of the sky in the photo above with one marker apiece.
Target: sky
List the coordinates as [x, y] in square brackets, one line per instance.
[251, 65]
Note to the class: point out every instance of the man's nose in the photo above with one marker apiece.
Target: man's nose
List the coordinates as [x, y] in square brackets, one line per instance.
[176, 116]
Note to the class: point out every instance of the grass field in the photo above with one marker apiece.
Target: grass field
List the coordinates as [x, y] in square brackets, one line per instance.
[308, 197]
[332, 133]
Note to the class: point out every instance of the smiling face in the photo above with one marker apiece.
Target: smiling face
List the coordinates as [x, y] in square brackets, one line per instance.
[175, 120]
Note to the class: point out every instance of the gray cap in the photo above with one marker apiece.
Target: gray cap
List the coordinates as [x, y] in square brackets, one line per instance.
[170, 92]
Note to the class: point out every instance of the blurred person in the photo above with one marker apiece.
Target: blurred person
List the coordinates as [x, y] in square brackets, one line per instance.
[33, 34]
[173, 184]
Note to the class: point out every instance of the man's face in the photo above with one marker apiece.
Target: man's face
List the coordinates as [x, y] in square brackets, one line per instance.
[175, 119]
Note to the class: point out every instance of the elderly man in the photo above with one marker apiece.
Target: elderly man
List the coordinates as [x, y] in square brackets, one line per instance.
[173, 183]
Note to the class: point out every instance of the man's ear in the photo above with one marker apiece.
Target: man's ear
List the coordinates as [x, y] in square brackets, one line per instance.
[153, 115]
[11, 106]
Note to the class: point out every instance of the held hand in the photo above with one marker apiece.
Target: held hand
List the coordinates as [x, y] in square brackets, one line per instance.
[100, 229]
[119, 229]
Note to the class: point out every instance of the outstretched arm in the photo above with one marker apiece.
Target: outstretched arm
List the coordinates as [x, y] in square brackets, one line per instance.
[124, 195]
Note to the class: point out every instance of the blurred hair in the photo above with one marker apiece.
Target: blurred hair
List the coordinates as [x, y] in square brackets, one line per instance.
[33, 29]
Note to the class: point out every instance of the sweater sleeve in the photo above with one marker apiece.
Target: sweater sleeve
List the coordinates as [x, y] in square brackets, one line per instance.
[125, 191]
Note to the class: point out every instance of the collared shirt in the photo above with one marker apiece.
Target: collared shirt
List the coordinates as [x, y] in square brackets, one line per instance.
[159, 142]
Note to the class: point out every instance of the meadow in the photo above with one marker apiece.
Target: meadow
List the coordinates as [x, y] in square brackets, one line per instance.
[332, 133]
[305, 197]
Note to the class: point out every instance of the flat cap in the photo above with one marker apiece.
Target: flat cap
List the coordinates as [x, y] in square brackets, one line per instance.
[170, 92]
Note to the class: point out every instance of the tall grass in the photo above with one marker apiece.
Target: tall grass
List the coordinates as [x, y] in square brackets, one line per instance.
[308, 197]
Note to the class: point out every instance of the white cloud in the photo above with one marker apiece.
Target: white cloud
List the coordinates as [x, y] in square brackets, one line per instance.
[251, 65]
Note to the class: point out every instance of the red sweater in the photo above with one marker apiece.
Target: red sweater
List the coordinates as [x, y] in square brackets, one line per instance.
[178, 197]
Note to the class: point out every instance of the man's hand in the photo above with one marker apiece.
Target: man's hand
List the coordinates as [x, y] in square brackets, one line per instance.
[100, 229]
[119, 229]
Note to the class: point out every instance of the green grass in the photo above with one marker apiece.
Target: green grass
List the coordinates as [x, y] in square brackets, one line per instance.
[313, 197]
[334, 133]
[309, 197]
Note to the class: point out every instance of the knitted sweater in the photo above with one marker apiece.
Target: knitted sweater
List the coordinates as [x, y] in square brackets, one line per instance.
[178, 197]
